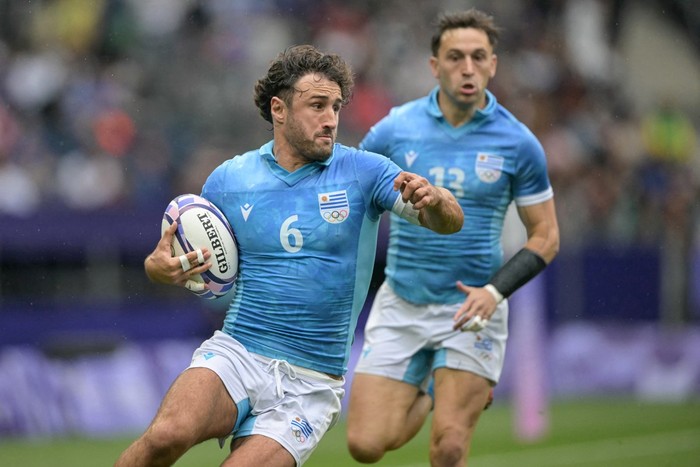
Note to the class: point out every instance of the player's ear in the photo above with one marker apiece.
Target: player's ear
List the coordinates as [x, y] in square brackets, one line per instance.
[277, 109]
[433, 65]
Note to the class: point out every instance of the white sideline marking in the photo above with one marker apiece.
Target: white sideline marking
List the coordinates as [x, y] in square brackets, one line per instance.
[590, 451]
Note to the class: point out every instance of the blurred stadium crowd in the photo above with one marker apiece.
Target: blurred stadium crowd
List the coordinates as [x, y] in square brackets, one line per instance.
[123, 104]
[127, 102]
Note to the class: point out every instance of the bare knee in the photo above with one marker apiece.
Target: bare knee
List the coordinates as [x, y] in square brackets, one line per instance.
[449, 449]
[364, 449]
[446, 454]
[166, 441]
[381, 416]
[153, 448]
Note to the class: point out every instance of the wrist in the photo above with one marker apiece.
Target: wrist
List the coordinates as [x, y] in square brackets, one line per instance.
[522, 267]
[498, 296]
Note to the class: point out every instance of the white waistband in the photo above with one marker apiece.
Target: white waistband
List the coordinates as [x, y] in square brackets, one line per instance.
[293, 370]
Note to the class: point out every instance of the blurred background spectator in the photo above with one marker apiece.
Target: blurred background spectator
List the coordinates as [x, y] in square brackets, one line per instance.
[110, 108]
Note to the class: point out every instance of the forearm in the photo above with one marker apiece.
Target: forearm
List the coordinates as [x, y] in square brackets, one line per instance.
[542, 229]
[545, 244]
[516, 272]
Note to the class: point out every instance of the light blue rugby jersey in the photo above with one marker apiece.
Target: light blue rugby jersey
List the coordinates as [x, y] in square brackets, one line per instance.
[307, 243]
[486, 163]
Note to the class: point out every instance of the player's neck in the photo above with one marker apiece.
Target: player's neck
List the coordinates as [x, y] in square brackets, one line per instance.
[458, 115]
[286, 157]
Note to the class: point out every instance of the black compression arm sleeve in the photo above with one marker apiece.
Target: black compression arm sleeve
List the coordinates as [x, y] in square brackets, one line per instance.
[522, 267]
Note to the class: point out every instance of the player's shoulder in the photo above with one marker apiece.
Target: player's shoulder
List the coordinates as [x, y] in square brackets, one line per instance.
[529, 147]
[402, 120]
[510, 123]
[410, 108]
[238, 161]
[506, 118]
[237, 165]
[343, 154]
[361, 161]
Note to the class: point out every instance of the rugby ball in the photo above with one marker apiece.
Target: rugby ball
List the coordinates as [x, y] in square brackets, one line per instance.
[200, 224]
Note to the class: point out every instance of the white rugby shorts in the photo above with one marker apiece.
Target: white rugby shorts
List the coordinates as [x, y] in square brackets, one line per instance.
[407, 342]
[294, 406]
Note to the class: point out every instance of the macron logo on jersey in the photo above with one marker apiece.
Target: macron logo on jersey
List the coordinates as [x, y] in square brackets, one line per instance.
[410, 157]
[245, 211]
[334, 206]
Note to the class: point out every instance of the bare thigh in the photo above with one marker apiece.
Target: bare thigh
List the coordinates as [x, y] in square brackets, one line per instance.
[379, 405]
[198, 404]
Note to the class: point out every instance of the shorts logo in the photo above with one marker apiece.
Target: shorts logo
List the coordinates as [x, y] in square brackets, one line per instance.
[488, 167]
[208, 355]
[334, 206]
[366, 350]
[483, 343]
[301, 429]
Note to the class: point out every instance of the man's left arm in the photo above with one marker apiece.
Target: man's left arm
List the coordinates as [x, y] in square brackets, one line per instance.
[541, 248]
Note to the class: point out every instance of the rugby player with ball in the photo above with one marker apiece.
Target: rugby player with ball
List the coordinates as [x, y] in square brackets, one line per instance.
[305, 212]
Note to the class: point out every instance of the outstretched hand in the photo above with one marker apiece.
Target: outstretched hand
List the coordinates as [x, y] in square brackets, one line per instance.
[418, 190]
[162, 267]
[437, 208]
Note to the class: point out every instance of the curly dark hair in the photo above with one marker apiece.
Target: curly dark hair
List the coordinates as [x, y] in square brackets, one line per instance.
[471, 18]
[294, 63]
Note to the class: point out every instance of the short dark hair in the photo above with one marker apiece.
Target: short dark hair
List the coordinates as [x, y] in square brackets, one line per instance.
[471, 18]
[291, 65]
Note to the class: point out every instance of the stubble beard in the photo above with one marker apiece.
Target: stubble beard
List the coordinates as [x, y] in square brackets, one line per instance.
[307, 148]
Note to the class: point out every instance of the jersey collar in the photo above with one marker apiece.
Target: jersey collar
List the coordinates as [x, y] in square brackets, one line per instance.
[268, 156]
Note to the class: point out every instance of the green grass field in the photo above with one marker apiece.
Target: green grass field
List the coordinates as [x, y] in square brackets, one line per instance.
[616, 432]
